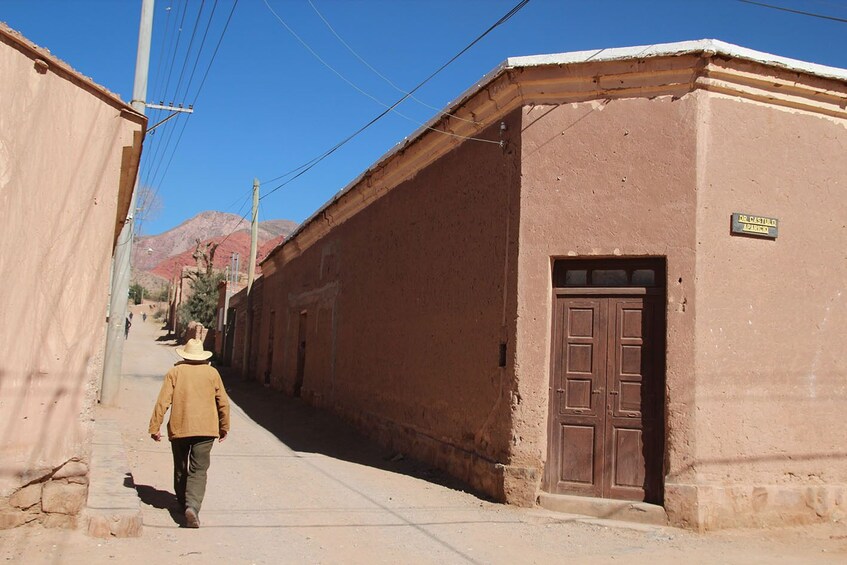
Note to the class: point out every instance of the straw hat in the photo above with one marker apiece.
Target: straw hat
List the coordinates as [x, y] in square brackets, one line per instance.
[193, 351]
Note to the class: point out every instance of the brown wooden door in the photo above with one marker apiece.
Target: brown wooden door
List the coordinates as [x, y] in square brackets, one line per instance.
[606, 431]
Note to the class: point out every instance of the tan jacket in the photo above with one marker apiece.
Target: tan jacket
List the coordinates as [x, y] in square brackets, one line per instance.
[197, 399]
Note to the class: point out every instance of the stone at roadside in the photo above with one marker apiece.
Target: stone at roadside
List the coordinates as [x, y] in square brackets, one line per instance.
[60, 521]
[26, 497]
[63, 498]
[12, 518]
[117, 523]
[71, 469]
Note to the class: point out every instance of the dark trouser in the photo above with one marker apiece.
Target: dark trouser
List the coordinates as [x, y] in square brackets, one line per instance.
[191, 461]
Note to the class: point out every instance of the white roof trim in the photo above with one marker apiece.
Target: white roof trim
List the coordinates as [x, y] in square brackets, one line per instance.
[680, 48]
[574, 57]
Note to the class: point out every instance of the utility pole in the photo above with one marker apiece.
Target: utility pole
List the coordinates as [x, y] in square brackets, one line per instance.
[123, 250]
[254, 237]
[251, 274]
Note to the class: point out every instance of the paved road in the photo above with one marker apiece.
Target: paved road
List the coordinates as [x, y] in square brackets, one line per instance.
[293, 485]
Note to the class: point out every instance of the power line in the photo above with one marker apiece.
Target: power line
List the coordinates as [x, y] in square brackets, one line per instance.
[188, 49]
[790, 11]
[243, 201]
[158, 75]
[356, 87]
[375, 71]
[200, 49]
[306, 167]
[214, 53]
[197, 95]
[157, 159]
[153, 151]
[175, 50]
[235, 229]
[170, 130]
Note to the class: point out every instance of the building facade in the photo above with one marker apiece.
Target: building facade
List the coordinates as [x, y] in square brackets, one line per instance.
[620, 274]
[69, 153]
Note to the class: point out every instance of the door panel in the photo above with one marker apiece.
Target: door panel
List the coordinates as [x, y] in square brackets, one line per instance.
[606, 397]
[578, 371]
[577, 449]
[628, 460]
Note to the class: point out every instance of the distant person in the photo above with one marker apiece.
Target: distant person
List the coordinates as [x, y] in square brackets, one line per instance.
[199, 406]
[127, 325]
[144, 316]
[130, 315]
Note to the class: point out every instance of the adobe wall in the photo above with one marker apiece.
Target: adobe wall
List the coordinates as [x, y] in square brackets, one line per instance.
[60, 170]
[770, 363]
[406, 304]
[220, 313]
[606, 178]
[238, 302]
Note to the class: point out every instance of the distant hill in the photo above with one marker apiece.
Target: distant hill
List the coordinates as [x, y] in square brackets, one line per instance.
[238, 242]
[160, 257]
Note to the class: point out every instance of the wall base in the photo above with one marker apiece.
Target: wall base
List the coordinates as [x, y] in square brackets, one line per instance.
[712, 507]
[503, 483]
[51, 497]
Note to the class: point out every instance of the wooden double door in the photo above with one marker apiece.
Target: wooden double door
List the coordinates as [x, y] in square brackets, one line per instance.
[606, 434]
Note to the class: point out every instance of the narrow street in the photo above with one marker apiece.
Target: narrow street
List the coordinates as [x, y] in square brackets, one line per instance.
[293, 485]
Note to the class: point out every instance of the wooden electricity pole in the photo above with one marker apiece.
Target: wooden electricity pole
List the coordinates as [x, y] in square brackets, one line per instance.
[251, 275]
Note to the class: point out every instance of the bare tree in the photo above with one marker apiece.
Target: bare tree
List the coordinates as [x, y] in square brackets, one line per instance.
[205, 258]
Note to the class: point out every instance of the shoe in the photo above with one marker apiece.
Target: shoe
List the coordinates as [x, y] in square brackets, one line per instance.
[191, 518]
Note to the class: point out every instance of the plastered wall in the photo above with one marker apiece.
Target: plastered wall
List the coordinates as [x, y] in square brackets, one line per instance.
[770, 357]
[405, 306]
[606, 178]
[60, 167]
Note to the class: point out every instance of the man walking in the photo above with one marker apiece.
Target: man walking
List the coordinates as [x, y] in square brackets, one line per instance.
[194, 392]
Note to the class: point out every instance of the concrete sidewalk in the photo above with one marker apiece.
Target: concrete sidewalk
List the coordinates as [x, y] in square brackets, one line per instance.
[294, 485]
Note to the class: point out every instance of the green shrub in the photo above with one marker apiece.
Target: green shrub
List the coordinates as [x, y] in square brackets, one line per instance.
[201, 305]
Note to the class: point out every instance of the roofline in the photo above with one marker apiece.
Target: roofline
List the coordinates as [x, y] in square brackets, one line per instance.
[63, 69]
[713, 46]
[710, 47]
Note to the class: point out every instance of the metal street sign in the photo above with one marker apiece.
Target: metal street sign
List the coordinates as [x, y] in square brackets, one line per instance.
[757, 226]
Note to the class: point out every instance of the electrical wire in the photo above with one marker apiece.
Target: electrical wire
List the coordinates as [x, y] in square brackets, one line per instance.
[214, 53]
[376, 72]
[157, 77]
[200, 50]
[167, 39]
[170, 131]
[309, 165]
[196, 96]
[235, 229]
[188, 49]
[360, 90]
[790, 11]
[241, 199]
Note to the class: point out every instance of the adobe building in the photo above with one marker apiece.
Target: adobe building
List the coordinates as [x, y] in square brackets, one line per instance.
[234, 344]
[616, 274]
[69, 153]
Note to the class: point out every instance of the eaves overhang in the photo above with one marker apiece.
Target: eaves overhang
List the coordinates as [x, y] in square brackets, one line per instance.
[648, 71]
[48, 61]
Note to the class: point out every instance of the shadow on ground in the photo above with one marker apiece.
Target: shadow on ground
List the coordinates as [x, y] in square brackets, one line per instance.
[304, 428]
[156, 498]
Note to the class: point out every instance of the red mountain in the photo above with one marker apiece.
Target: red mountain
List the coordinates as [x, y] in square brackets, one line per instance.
[238, 242]
[164, 255]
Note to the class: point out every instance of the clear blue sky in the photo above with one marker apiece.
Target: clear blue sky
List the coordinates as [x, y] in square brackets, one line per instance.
[269, 105]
